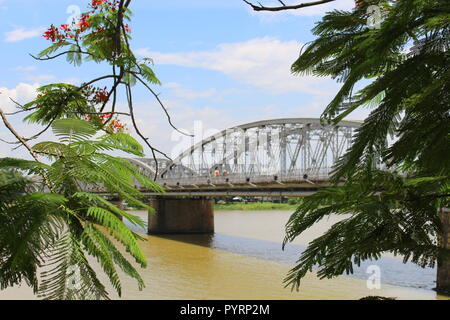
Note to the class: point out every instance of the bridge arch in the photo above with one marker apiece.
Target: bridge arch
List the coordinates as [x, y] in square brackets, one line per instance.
[280, 147]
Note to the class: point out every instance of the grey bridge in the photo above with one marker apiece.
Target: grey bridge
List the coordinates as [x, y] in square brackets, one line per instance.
[280, 157]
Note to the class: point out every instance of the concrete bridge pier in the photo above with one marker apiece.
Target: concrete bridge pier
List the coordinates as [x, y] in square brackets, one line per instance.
[181, 215]
[443, 266]
[118, 202]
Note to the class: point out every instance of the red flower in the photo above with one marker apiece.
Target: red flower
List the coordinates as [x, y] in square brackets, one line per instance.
[84, 23]
[101, 95]
[96, 3]
[65, 27]
[52, 34]
[105, 117]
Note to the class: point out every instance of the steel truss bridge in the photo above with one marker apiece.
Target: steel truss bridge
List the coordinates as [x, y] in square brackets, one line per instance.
[280, 157]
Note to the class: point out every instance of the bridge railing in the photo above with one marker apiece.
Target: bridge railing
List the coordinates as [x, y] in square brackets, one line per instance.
[229, 180]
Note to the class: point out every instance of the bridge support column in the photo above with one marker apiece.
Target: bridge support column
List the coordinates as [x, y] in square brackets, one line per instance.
[118, 202]
[443, 266]
[181, 216]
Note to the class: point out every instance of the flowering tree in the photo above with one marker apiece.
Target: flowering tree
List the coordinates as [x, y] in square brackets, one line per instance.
[49, 221]
[101, 35]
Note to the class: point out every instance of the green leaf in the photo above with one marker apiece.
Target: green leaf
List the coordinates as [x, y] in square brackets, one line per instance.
[53, 48]
[68, 130]
[149, 74]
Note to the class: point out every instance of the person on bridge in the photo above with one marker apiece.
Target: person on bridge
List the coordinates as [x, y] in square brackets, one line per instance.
[216, 172]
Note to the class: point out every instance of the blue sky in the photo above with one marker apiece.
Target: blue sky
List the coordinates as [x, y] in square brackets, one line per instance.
[220, 63]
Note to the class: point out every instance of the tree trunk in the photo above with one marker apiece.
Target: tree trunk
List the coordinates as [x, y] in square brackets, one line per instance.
[443, 272]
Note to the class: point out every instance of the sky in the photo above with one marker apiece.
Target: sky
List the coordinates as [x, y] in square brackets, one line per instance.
[220, 63]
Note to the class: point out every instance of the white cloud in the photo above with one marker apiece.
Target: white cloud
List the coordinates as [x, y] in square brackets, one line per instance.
[153, 123]
[261, 62]
[40, 77]
[21, 33]
[29, 73]
[180, 91]
[22, 93]
[24, 69]
[72, 80]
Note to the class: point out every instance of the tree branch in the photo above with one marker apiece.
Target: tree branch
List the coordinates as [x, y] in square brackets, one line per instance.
[169, 118]
[48, 57]
[260, 7]
[18, 136]
[86, 84]
[25, 144]
[136, 128]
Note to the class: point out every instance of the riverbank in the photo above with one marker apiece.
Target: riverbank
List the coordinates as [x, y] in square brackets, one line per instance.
[244, 206]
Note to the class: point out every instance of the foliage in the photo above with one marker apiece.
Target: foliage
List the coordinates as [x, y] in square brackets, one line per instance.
[255, 206]
[294, 201]
[8, 175]
[377, 298]
[101, 35]
[50, 229]
[394, 209]
[57, 230]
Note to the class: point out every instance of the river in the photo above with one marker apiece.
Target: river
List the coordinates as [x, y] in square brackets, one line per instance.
[244, 260]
